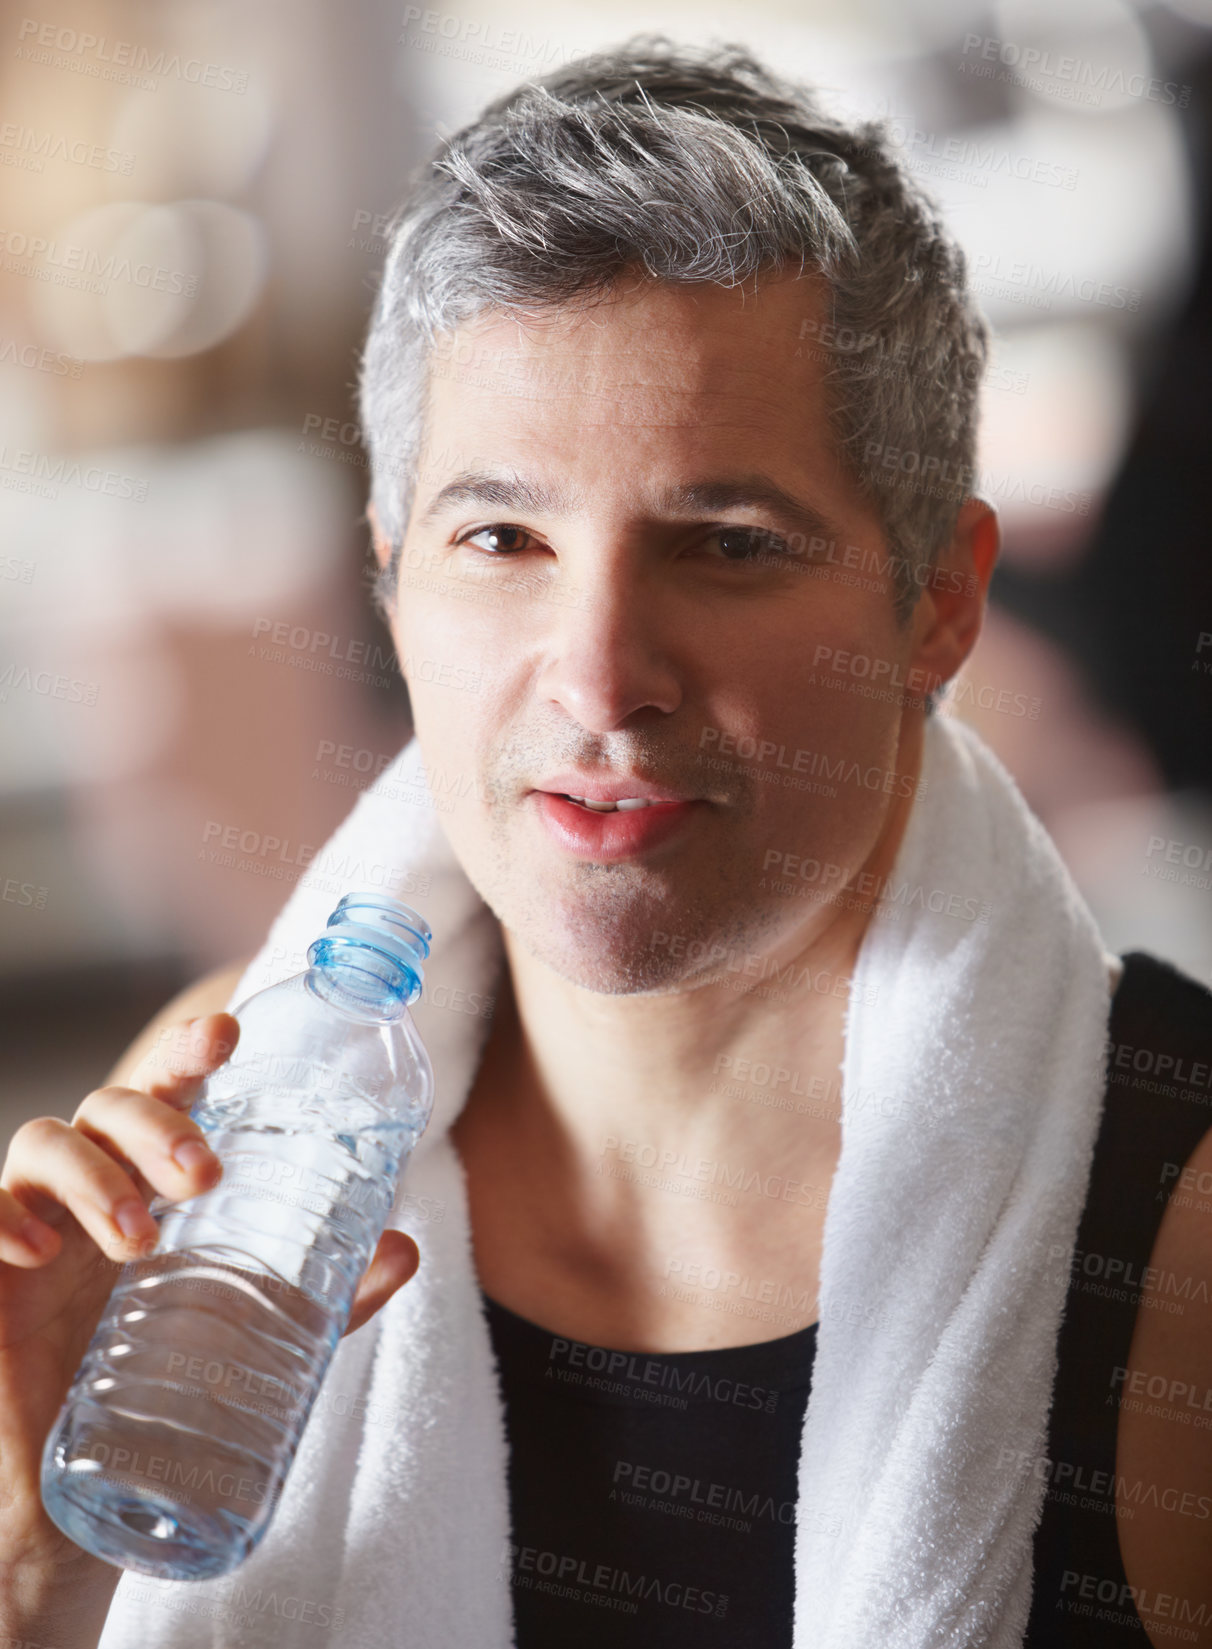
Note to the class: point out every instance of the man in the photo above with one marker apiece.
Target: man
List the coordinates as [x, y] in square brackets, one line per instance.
[670, 395]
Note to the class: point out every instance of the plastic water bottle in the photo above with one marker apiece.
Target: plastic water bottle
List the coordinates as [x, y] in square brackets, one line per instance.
[174, 1441]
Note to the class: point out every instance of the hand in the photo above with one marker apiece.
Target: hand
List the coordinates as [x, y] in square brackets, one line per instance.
[73, 1210]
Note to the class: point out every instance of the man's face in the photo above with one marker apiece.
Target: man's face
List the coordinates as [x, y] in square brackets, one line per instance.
[615, 594]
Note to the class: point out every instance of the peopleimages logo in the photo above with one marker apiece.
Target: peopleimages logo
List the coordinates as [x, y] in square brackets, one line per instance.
[29, 148]
[39, 359]
[947, 152]
[926, 473]
[85, 52]
[23, 678]
[1163, 1605]
[1053, 283]
[14, 892]
[481, 40]
[45, 472]
[1080, 73]
[41, 256]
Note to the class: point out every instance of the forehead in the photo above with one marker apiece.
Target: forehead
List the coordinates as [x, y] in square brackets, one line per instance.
[645, 356]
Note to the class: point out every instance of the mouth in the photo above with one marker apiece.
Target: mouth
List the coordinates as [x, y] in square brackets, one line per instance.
[608, 831]
[624, 804]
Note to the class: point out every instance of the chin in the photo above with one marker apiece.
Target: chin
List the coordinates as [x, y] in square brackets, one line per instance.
[622, 946]
[608, 929]
[601, 944]
[609, 971]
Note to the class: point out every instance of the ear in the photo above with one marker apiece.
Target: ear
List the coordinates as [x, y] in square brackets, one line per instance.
[947, 620]
[378, 538]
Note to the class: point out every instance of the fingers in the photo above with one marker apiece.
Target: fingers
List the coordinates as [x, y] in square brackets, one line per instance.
[52, 1166]
[182, 1055]
[395, 1261]
[25, 1240]
[85, 1169]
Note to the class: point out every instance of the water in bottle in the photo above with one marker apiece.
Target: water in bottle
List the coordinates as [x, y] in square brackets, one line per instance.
[172, 1446]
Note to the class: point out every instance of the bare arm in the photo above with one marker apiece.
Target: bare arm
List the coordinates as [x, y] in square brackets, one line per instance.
[1164, 1451]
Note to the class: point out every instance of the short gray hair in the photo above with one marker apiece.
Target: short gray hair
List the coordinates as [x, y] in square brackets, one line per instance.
[692, 164]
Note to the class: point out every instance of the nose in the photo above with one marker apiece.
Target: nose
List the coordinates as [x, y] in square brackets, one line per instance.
[609, 653]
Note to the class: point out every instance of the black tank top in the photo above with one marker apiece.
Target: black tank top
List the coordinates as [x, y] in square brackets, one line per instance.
[653, 1495]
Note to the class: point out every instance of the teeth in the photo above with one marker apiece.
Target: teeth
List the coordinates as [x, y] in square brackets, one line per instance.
[624, 804]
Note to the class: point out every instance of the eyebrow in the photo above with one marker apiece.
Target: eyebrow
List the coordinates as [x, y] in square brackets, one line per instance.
[504, 491]
[751, 492]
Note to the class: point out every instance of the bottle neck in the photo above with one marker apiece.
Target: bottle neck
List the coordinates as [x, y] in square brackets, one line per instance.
[359, 981]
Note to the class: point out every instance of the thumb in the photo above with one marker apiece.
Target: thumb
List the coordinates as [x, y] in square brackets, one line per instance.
[182, 1055]
[395, 1261]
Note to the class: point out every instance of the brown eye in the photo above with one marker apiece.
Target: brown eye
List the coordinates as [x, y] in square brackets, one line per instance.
[746, 544]
[499, 539]
[737, 545]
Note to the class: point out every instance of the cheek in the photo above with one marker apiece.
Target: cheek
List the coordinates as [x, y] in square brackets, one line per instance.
[810, 680]
[449, 733]
[460, 637]
[827, 786]
[435, 658]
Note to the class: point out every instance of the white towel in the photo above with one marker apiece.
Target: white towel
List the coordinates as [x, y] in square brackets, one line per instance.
[973, 1082]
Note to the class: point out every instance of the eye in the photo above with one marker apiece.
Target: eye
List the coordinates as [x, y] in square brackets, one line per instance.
[502, 539]
[750, 544]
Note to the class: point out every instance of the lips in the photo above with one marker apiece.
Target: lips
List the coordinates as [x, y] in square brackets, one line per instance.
[608, 790]
[606, 832]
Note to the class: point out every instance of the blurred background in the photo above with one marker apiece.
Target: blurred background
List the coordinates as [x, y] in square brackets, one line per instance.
[186, 640]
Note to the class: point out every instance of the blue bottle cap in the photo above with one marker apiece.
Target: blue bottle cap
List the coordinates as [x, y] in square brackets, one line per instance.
[377, 922]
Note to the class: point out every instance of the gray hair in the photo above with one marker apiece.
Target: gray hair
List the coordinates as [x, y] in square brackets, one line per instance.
[692, 164]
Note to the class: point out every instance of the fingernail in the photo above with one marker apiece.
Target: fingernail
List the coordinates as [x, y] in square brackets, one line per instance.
[131, 1219]
[191, 1155]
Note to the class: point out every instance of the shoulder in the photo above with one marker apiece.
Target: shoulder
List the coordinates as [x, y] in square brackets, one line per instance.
[1162, 1033]
[1154, 996]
